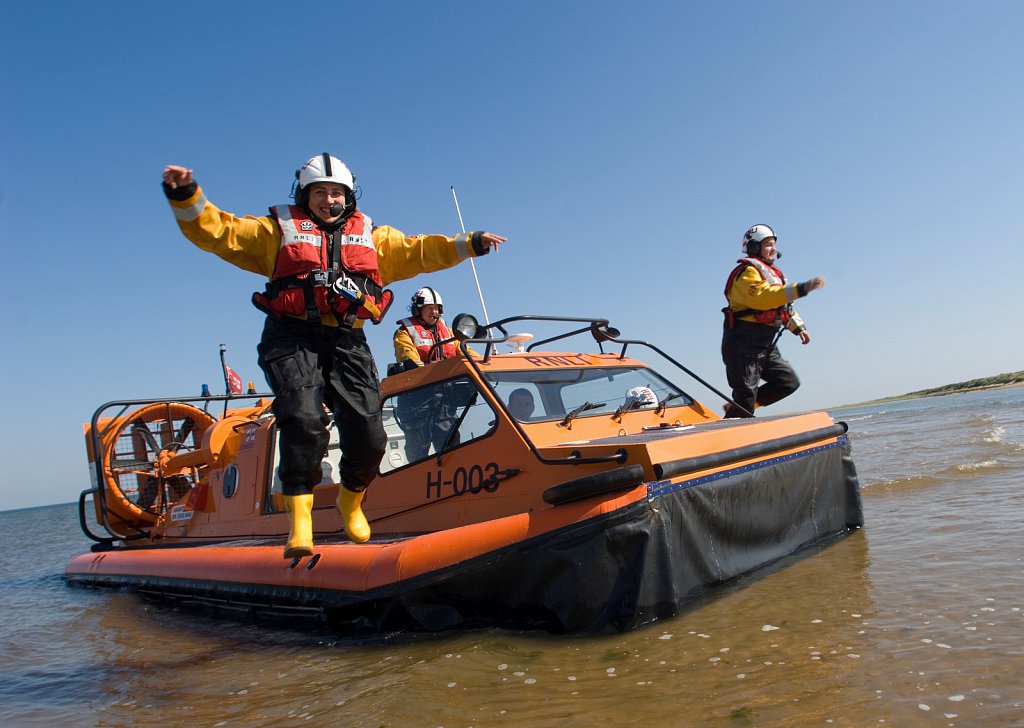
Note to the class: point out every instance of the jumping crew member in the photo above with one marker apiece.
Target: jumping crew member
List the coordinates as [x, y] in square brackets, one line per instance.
[760, 305]
[327, 267]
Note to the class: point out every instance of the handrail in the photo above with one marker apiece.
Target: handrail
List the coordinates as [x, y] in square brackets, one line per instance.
[99, 491]
[601, 330]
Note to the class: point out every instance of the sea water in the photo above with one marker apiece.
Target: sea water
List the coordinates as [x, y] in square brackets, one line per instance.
[914, 620]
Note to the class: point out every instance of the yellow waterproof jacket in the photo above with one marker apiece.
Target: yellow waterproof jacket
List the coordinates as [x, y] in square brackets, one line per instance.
[405, 348]
[252, 243]
[750, 290]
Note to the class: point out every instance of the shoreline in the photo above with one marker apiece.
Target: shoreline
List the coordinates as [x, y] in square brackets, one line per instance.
[931, 393]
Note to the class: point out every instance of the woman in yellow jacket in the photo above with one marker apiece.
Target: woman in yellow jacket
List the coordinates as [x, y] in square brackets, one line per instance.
[760, 306]
[327, 267]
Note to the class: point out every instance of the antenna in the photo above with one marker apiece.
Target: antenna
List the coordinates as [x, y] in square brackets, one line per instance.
[472, 265]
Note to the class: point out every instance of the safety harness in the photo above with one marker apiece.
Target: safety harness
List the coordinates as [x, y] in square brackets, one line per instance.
[779, 316]
[425, 339]
[318, 272]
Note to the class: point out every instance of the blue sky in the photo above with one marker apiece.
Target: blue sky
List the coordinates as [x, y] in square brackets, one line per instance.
[622, 147]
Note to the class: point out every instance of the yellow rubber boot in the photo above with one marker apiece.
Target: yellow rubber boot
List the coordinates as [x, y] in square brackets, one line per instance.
[350, 508]
[300, 526]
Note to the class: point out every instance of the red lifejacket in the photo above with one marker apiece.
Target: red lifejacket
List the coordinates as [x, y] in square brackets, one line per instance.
[424, 339]
[773, 276]
[301, 284]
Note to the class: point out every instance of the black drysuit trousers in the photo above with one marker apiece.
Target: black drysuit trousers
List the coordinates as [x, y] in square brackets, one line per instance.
[309, 366]
[750, 355]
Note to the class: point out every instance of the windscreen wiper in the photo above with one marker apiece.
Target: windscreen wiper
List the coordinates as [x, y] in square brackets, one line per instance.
[577, 412]
[664, 402]
[624, 408]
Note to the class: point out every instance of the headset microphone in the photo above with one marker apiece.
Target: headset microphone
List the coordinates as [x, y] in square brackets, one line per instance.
[336, 209]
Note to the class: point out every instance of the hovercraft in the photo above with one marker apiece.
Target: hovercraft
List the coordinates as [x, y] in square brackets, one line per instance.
[609, 501]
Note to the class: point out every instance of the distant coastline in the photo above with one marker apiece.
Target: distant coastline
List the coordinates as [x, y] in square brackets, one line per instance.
[1009, 379]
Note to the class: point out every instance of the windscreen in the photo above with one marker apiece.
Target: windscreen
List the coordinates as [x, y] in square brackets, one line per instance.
[539, 395]
[435, 418]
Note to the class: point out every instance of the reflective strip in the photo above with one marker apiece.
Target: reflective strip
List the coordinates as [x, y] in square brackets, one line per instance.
[462, 248]
[791, 293]
[290, 234]
[420, 341]
[361, 235]
[424, 340]
[364, 241]
[284, 219]
[190, 213]
[771, 275]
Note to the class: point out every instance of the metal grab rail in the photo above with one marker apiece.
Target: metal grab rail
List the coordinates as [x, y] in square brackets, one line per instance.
[601, 331]
[99, 490]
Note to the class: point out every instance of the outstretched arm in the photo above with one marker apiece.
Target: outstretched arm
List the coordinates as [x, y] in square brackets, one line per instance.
[400, 256]
[251, 243]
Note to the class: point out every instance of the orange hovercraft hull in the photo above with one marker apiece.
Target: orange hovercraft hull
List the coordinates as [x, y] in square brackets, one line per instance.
[605, 519]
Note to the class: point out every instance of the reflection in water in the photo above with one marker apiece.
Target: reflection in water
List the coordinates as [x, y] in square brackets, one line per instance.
[797, 627]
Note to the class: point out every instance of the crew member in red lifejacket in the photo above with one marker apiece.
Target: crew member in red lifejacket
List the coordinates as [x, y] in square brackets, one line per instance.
[760, 306]
[417, 335]
[427, 414]
[328, 267]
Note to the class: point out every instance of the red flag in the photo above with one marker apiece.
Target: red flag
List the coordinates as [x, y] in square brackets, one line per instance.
[233, 381]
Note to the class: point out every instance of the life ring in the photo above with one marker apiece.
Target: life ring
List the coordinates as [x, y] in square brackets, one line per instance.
[136, 491]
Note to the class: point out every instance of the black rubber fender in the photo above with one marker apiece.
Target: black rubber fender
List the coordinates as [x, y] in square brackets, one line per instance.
[759, 449]
[608, 481]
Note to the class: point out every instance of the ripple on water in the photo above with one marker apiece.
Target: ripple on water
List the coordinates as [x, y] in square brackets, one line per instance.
[923, 607]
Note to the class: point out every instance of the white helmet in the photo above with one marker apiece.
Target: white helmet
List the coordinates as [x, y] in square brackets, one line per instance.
[425, 297]
[638, 397]
[757, 235]
[324, 168]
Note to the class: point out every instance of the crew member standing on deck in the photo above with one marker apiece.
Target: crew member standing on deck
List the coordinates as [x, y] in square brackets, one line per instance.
[760, 306]
[417, 335]
[427, 414]
[327, 267]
